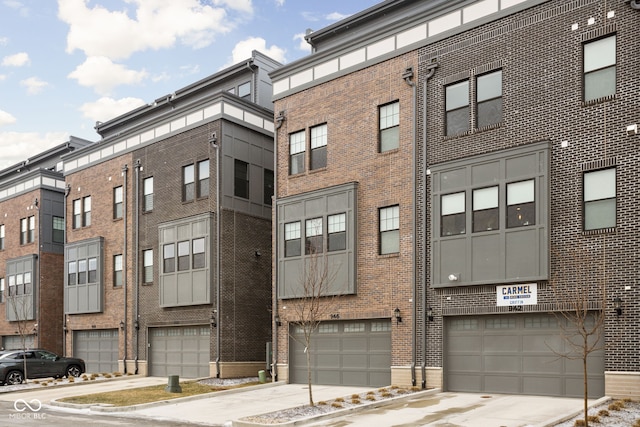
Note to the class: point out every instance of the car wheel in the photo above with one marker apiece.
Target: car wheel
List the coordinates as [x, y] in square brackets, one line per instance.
[73, 371]
[14, 377]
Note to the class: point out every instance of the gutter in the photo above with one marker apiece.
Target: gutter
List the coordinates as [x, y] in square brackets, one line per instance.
[136, 261]
[408, 79]
[431, 69]
[124, 261]
[213, 139]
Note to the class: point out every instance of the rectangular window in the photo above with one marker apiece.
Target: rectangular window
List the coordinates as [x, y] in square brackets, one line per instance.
[86, 211]
[72, 274]
[77, 213]
[319, 147]
[337, 232]
[147, 193]
[452, 212]
[169, 258]
[12, 285]
[457, 107]
[389, 230]
[599, 68]
[92, 276]
[23, 231]
[2, 237]
[599, 199]
[268, 187]
[58, 229]
[199, 254]
[188, 183]
[117, 270]
[147, 266]
[28, 284]
[19, 284]
[292, 243]
[241, 179]
[486, 215]
[117, 202]
[489, 99]
[521, 204]
[244, 90]
[1, 289]
[82, 272]
[31, 234]
[203, 178]
[313, 236]
[183, 256]
[389, 126]
[297, 147]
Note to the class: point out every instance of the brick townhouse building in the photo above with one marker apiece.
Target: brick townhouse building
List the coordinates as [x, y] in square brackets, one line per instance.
[31, 250]
[168, 256]
[474, 165]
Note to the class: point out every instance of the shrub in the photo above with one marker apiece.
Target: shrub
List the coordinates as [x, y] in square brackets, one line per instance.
[401, 391]
[371, 397]
[616, 406]
[370, 393]
[386, 394]
[394, 387]
[72, 379]
[636, 423]
[355, 401]
[603, 413]
[355, 396]
[336, 405]
[322, 403]
[382, 390]
[339, 399]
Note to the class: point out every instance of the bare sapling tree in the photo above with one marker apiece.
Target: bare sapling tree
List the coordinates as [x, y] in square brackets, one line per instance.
[314, 302]
[582, 316]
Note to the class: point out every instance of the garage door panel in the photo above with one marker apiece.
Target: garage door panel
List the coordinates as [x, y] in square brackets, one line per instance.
[344, 353]
[98, 348]
[517, 348]
[502, 384]
[502, 363]
[182, 351]
[503, 343]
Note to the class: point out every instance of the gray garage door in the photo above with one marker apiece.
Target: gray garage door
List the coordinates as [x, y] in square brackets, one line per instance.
[98, 348]
[513, 354]
[182, 351]
[356, 353]
[14, 342]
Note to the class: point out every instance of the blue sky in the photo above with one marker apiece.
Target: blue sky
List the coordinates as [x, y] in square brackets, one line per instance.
[65, 64]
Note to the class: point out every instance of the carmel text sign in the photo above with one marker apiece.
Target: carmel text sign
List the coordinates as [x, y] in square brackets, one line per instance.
[522, 294]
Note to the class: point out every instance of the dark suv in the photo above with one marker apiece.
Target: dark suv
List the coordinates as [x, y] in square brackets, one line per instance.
[40, 364]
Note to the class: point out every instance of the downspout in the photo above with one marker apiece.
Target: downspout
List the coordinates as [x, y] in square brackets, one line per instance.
[431, 69]
[408, 79]
[67, 190]
[274, 323]
[136, 262]
[635, 4]
[36, 329]
[124, 261]
[216, 315]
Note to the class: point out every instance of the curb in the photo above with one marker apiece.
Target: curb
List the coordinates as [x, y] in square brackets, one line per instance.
[112, 409]
[67, 384]
[554, 421]
[340, 412]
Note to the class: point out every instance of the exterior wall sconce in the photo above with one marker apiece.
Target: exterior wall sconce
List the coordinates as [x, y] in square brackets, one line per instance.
[430, 314]
[618, 306]
[214, 321]
[396, 314]
[454, 277]
[121, 325]
[278, 321]
[257, 253]
[35, 329]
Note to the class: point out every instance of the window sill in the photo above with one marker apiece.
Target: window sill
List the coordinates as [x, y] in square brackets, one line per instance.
[311, 171]
[474, 131]
[599, 100]
[393, 255]
[600, 231]
[389, 152]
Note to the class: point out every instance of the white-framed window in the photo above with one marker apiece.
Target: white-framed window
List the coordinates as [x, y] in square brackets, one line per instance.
[292, 242]
[319, 146]
[453, 219]
[389, 219]
[521, 203]
[486, 212]
[313, 236]
[336, 232]
[117, 270]
[457, 108]
[489, 99]
[118, 197]
[599, 199]
[147, 194]
[297, 147]
[188, 183]
[203, 178]
[389, 126]
[147, 266]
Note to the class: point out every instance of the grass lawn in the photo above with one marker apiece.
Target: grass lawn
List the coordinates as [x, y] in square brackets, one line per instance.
[137, 396]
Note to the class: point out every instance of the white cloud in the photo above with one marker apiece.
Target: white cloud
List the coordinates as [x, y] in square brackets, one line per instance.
[17, 5]
[34, 85]
[336, 16]
[279, 3]
[302, 43]
[4, 41]
[6, 118]
[19, 146]
[158, 24]
[243, 49]
[3, 77]
[103, 75]
[106, 108]
[17, 60]
[239, 5]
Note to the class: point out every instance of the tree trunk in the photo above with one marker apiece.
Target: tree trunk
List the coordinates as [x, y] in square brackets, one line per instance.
[586, 391]
[309, 376]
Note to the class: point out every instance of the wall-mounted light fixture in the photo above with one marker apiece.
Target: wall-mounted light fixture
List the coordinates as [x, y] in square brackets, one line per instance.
[278, 321]
[35, 329]
[257, 253]
[396, 314]
[430, 314]
[121, 325]
[454, 277]
[617, 303]
[214, 320]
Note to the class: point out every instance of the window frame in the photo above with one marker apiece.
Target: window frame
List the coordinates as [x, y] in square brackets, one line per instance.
[292, 234]
[389, 126]
[203, 179]
[388, 227]
[56, 231]
[531, 205]
[241, 179]
[147, 194]
[318, 139]
[588, 73]
[337, 231]
[147, 266]
[2, 236]
[297, 150]
[268, 186]
[458, 216]
[118, 268]
[487, 100]
[118, 202]
[600, 200]
[314, 236]
[486, 213]
[455, 111]
[188, 183]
